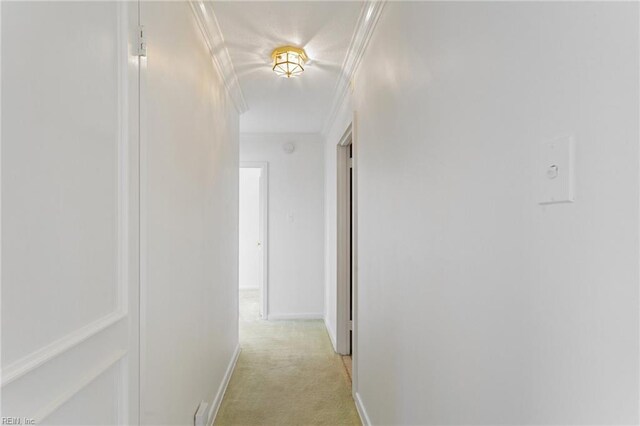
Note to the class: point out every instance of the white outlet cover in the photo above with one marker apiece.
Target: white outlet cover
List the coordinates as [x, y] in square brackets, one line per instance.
[555, 172]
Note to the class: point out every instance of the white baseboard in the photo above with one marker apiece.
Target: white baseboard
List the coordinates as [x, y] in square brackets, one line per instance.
[364, 418]
[332, 337]
[215, 406]
[305, 316]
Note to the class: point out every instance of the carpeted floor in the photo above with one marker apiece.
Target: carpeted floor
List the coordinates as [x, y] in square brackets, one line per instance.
[287, 374]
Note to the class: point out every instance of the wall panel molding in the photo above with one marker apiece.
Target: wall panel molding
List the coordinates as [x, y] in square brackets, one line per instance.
[35, 359]
[78, 386]
[41, 356]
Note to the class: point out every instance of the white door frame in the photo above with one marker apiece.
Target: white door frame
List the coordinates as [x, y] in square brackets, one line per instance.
[343, 227]
[354, 255]
[264, 228]
[344, 261]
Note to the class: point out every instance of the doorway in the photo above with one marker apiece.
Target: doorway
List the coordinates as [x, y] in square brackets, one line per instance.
[346, 250]
[252, 232]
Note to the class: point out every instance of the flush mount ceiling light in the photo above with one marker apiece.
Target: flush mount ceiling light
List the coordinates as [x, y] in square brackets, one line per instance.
[288, 61]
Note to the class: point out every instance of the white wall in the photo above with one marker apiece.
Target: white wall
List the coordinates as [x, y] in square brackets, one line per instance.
[249, 269]
[476, 304]
[69, 212]
[190, 219]
[296, 221]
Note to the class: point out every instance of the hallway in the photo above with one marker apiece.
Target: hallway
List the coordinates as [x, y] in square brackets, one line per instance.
[448, 191]
[287, 374]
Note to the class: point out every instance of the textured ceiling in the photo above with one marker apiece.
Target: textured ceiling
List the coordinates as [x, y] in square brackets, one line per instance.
[251, 31]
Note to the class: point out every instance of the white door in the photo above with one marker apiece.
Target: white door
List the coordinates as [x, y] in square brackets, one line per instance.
[69, 212]
[250, 244]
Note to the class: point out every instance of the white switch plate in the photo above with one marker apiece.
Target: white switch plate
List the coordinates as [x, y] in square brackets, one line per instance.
[555, 171]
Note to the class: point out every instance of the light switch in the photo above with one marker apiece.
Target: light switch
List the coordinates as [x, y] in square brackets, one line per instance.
[555, 171]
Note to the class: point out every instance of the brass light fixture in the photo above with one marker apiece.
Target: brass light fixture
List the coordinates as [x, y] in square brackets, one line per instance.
[288, 61]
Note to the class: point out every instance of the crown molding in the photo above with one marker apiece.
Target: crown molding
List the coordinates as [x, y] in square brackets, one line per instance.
[367, 21]
[203, 11]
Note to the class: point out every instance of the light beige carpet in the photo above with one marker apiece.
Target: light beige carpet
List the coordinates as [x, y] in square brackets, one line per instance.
[287, 374]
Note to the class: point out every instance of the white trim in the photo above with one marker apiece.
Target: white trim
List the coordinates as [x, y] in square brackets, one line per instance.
[367, 21]
[125, 395]
[638, 93]
[300, 316]
[1, 210]
[264, 231]
[43, 355]
[346, 138]
[355, 351]
[65, 396]
[343, 234]
[129, 384]
[143, 184]
[362, 412]
[122, 166]
[215, 405]
[208, 23]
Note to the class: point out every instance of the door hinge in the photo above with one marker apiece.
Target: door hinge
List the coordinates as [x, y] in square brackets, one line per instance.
[142, 41]
[351, 163]
[351, 325]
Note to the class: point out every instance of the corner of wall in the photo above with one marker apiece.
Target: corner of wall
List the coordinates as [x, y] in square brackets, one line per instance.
[331, 334]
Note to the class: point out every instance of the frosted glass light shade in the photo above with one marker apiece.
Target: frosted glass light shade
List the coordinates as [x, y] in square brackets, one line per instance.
[288, 61]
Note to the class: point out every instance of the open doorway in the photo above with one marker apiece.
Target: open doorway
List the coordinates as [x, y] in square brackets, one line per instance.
[252, 235]
[346, 250]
